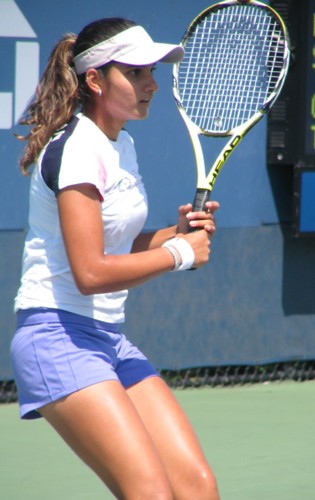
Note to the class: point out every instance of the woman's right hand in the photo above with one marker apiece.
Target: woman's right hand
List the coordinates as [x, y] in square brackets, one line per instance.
[200, 243]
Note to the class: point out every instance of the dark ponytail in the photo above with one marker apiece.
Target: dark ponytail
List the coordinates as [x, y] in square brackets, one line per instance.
[56, 100]
[60, 91]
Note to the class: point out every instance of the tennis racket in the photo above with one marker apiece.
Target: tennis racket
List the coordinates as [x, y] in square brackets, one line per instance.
[235, 63]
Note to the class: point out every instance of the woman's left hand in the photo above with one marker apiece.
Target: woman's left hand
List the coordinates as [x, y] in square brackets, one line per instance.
[197, 220]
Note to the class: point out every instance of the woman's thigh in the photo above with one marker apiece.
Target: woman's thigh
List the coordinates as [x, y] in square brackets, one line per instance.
[176, 442]
[101, 424]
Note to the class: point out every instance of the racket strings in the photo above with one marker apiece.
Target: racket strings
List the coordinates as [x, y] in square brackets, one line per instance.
[233, 63]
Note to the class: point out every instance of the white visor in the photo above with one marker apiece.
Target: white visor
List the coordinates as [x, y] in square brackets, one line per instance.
[133, 46]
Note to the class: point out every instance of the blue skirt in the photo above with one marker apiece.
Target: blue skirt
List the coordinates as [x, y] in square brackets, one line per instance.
[55, 353]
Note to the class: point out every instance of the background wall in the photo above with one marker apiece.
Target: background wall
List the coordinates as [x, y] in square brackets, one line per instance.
[254, 302]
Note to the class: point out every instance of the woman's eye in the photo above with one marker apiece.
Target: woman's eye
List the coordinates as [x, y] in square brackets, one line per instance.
[135, 71]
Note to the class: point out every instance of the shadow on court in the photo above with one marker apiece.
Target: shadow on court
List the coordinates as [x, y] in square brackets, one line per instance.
[260, 440]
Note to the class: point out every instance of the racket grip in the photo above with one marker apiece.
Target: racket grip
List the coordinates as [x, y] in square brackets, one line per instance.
[199, 204]
[201, 197]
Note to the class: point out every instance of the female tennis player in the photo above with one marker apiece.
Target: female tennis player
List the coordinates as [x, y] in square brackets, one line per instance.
[84, 250]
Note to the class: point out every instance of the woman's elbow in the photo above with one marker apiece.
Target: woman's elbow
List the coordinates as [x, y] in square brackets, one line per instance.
[90, 282]
[87, 283]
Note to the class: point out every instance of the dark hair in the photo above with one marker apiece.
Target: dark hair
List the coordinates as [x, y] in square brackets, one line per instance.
[60, 92]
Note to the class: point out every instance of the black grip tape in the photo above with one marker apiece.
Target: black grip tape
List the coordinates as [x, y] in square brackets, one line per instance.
[199, 205]
[201, 197]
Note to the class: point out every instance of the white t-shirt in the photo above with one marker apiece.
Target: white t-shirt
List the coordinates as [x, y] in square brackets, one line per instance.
[80, 153]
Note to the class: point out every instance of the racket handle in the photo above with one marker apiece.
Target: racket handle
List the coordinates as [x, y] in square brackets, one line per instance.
[199, 205]
[201, 197]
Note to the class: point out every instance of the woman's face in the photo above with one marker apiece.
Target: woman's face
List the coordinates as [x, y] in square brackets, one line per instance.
[127, 92]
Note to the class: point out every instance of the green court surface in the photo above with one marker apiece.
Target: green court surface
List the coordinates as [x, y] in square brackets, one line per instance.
[260, 440]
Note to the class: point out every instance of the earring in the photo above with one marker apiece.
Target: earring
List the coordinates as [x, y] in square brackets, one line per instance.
[100, 92]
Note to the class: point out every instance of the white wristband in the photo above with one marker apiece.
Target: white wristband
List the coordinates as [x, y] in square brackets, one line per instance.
[184, 249]
[175, 255]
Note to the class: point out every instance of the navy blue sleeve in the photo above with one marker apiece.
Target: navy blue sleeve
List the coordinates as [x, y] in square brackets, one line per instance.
[51, 161]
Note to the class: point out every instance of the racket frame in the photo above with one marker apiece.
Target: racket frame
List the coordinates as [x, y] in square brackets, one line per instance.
[205, 182]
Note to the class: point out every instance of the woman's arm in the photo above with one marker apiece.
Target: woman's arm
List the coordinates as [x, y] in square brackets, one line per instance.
[151, 240]
[186, 218]
[82, 228]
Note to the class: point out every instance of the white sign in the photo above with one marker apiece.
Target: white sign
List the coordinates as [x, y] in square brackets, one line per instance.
[14, 25]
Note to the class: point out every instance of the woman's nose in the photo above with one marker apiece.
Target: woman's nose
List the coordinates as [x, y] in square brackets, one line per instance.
[151, 84]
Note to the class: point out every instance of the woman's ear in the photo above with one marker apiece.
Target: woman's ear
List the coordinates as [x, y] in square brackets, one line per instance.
[94, 81]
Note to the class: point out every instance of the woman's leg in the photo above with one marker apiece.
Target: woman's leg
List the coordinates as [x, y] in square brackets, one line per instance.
[101, 425]
[188, 471]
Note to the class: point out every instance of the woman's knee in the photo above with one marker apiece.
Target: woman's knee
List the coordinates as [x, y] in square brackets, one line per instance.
[201, 484]
[208, 488]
